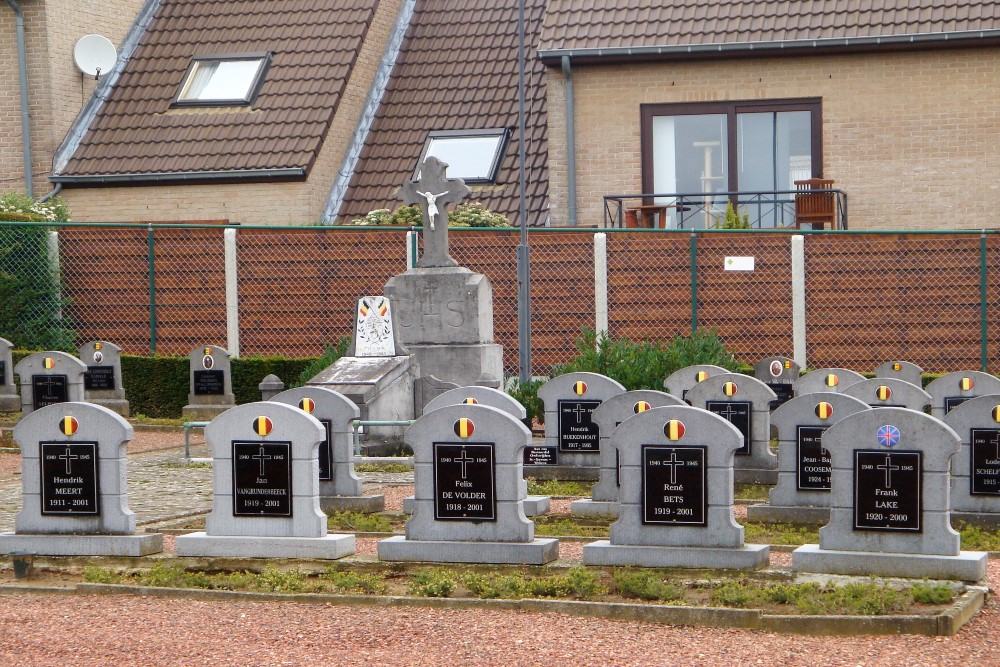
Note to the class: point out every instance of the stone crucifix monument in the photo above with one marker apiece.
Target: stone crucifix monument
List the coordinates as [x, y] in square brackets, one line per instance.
[434, 193]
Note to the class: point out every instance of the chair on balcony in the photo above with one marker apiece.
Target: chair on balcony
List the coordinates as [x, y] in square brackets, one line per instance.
[815, 209]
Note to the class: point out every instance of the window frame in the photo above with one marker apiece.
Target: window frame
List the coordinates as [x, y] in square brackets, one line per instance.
[500, 133]
[252, 91]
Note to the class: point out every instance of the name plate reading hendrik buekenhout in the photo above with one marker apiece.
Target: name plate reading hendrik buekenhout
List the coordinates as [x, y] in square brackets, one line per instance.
[262, 478]
[49, 390]
[70, 482]
[737, 413]
[464, 482]
[577, 431]
[984, 455]
[673, 485]
[887, 489]
[814, 464]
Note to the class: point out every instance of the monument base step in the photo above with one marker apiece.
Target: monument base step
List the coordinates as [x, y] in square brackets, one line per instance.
[204, 413]
[82, 545]
[328, 547]
[811, 516]
[561, 472]
[533, 505]
[601, 509]
[363, 504]
[10, 403]
[747, 557]
[755, 476]
[119, 405]
[537, 552]
[982, 520]
[966, 566]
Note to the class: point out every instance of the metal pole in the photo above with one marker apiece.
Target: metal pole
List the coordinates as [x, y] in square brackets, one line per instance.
[152, 289]
[523, 257]
[983, 358]
[694, 283]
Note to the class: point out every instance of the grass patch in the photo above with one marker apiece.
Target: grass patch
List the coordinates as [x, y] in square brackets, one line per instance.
[361, 523]
[556, 487]
[578, 583]
[344, 581]
[436, 583]
[853, 599]
[142, 420]
[382, 467]
[977, 539]
[647, 585]
[779, 533]
[191, 464]
[552, 525]
[751, 491]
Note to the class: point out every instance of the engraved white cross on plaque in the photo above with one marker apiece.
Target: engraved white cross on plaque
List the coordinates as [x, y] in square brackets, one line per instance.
[579, 412]
[728, 413]
[67, 457]
[464, 459]
[673, 463]
[888, 467]
[262, 457]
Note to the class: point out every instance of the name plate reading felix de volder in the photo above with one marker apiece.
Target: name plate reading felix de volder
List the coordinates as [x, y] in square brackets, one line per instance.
[464, 482]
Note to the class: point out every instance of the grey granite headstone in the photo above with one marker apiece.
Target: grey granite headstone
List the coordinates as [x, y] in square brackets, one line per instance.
[339, 487]
[608, 416]
[951, 390]
[889, 393]
[744, 402]
[975, 470]
[679, 382]
[48, 378]
[266, 488]
[677, 495]
[901, 370]
[102, 383]
[468, 480]
[826, 379]
[778, 373]
[211, 382]
[9, 400]
[73, 475]
[802, 493]
[890, 504]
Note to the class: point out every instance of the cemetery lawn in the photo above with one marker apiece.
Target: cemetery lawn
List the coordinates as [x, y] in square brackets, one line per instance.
[559, 488]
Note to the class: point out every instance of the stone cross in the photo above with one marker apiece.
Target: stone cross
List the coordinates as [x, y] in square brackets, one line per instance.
[434, 193]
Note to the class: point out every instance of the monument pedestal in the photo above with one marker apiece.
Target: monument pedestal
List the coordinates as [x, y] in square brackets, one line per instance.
[601, 509]
[119, 405]
[966, 566]
[537, 552]
[363, 504]
[10, 403]
[328, 547]
[204, 412]
[746, 557]
[82, 545]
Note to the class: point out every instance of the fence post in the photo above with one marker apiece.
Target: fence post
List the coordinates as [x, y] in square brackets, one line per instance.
[694, 283]
[150, 257]
[232, 293]
[411, 250]
[601, 283]
[799, 300]
[983, 358]
[52, 247]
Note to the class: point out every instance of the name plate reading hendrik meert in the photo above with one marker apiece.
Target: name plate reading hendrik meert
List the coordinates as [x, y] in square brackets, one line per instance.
[99, 378]
[673, 485]
[577, 431]
[887, 491]
[464, 482]
[70, 484]
[737, 413]
[814, 465]
[984, 474]
[49, 390]
[209, 383]
[262, 478]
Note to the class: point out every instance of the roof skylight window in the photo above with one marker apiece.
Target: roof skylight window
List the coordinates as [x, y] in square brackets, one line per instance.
[472, 155]
[223, 80]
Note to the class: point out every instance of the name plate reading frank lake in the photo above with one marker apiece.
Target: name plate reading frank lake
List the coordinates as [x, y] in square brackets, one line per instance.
[985, 462]
[99, 378]
[887, 491]
[814, 465]
[577, 431]
[262, 478]
[209, 383]
[49, 390]
[673, 485]
[70, 483]
[464, 482]
[737, 413]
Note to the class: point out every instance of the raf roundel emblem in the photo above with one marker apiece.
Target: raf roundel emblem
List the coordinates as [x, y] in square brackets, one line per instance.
[700, 375]
[883, 393]
[262, 426]
[464, 428]
[98, 357]
[832, 380]
[641, 406]
[967, 384]
[674, 429]
[887, 436]
[208, 361]
[824, 410]
[776, 368]
[471, 401]
[49, 363]
[729, 389]
[69, 425]
[580, 388]
[307, 405]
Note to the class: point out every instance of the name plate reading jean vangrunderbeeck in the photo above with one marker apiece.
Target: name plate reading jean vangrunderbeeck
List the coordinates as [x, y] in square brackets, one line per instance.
[577, 431]
[464, 482]
[262, 479]
[70, 484]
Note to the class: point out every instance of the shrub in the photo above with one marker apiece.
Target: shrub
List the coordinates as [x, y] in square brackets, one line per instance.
[645, 585]
[53, 210]
[432, 584]
[331, 353]
[527, 395]
[472, 214]
[928, 594]
[731, 219]
[350, 582]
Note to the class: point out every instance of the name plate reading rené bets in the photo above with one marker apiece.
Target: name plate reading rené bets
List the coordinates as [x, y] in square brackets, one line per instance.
[209, 383]
[673, 485]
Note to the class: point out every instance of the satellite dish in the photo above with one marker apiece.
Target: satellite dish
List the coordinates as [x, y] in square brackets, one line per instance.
[95, 55]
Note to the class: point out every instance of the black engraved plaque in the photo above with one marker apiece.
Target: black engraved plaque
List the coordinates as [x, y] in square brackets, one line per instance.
[784, 392]
[577, 432]
[326, 453]
[814, 466]
[209, 383]
[952, 402]
[984, 473]
[3, 372]
[70, 481]
[99, 378]
[541, 455]
[737, 413]
[673, 485]
[887, 489]
[262, 478]
[49, 390]
[464, 482]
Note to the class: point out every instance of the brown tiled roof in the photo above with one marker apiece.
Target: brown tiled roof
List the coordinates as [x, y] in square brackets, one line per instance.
[315, 43]
[613, 24]
[457, 70]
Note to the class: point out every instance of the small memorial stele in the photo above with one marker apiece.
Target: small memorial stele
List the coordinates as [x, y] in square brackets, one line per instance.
[802, 493]
[266, 488]
[48, 378]
[73, 474]
[975, 470]
[889, 504]
[9, 400]
[901, 370]
[679, 382]
[468, 475]
[952, 389]
[676, 506]
[778, 373]
[889, 393]
[340, 489]
[211, 381]
[608, 416]
[828, 380]
[102, 383]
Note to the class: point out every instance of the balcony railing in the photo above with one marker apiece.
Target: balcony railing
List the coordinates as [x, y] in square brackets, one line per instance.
[774, 209]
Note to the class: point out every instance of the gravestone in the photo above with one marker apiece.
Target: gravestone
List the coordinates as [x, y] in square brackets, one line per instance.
[211, 382]
[270, 387]
[340, 488]
[9, 400]
[468, 475]
[889, 393]
[901, 370]
[102, 383]
[952, 389]
[827, 380]
[677, 495]
[266, 488]
[571, 436]
[608, 416]
[679, 382]
[889, 503]
[48, 378]
[975, 470]
[802, 492]
[744, 402]
[778, 373]
[75, 494]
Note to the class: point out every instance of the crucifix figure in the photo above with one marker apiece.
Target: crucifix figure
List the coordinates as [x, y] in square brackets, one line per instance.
[434, 193]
